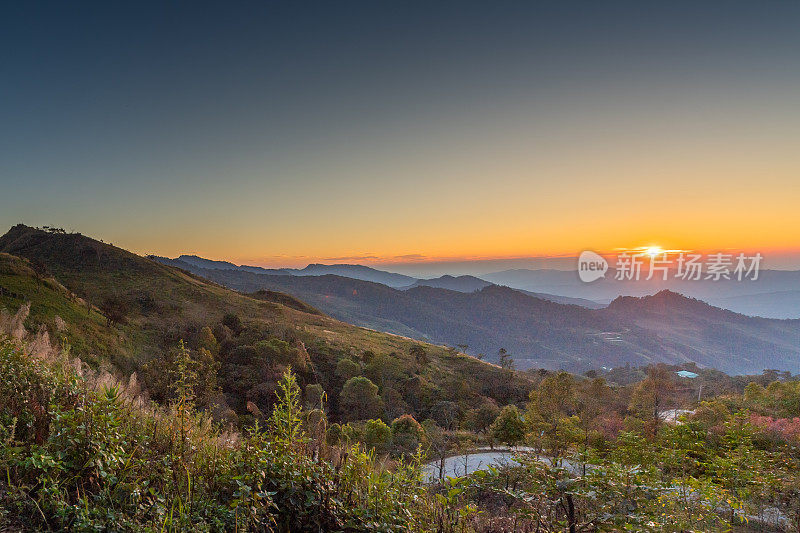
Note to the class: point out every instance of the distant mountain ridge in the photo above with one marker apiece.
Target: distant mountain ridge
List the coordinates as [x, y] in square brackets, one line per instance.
[361, 272]
[226, 265]
[665, 327]
[775, 294]
[453, 283]
[365, 273]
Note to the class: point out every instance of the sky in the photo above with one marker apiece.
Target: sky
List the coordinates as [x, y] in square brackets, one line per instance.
[280, 133]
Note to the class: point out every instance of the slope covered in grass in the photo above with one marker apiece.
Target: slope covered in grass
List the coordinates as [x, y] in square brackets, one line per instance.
[251, 340]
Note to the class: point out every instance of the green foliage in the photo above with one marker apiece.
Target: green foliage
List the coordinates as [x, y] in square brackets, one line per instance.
[359, 399]
[346, 369]
[509, 428]
[480, 419]
[208, 341]
[407, 434]
[315, 396]
[181, 371]
[377, 435]
[83, 455]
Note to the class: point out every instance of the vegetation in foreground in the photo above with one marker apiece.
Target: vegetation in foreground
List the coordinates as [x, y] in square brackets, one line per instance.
[82, 451]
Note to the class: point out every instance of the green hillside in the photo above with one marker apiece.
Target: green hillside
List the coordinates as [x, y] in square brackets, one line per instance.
[254, 337]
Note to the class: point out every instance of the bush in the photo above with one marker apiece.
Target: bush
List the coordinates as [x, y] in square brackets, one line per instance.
[509, 427]
[407, 434]
[359, 400]
[83, 454]
[377, 435]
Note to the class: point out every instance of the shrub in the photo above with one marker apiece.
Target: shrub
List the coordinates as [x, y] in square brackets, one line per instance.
[377, 435]
[359, 399]
[407, 434]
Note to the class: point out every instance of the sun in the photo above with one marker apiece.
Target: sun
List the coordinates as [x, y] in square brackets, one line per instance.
[653, 251]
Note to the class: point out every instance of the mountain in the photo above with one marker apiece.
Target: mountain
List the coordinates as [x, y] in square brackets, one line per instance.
[472, 284]
[781, 304]
[225, 265]
[361, 272]
[127, 313]
[667, 327]
[583, 302]
[775, 294]
[453, 283]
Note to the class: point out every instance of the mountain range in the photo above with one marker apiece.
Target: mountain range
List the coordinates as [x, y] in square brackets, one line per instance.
[164, 303]
[126, 313]
[665, 327]
[775, 294]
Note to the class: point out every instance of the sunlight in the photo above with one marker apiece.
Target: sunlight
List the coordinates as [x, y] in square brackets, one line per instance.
[653, 251]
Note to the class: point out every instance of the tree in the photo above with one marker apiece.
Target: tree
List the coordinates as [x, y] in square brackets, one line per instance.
[480, 419]
[346, 369]
[315, 396]
[505, 359]
[446, 413]
[651, 395]
[359, 399]
[509, 427]
[437, 444]
[407, 434]
[550, 405]
[386, 370]
[394, 403]
[208, 341]
[377, 434]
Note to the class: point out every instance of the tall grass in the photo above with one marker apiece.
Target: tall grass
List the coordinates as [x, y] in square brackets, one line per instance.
[82, 451]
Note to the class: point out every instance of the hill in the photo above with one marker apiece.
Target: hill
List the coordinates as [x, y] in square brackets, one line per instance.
[583, 302]
[666, 328]
[779, 304]
[775, 294]
[453, 283]
[251, 339]
[226, 265]
[397, 281]
[361, 272]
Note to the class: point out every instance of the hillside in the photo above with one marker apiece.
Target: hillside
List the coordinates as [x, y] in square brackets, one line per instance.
[452, 283]
[775, 294]
[361, 272]
[539, 333]
[255, 337]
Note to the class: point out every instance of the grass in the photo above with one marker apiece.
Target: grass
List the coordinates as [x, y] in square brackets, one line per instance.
[166, 304]
[99, 457]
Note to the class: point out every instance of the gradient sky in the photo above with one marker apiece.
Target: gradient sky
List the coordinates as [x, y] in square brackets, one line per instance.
[285, 133]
